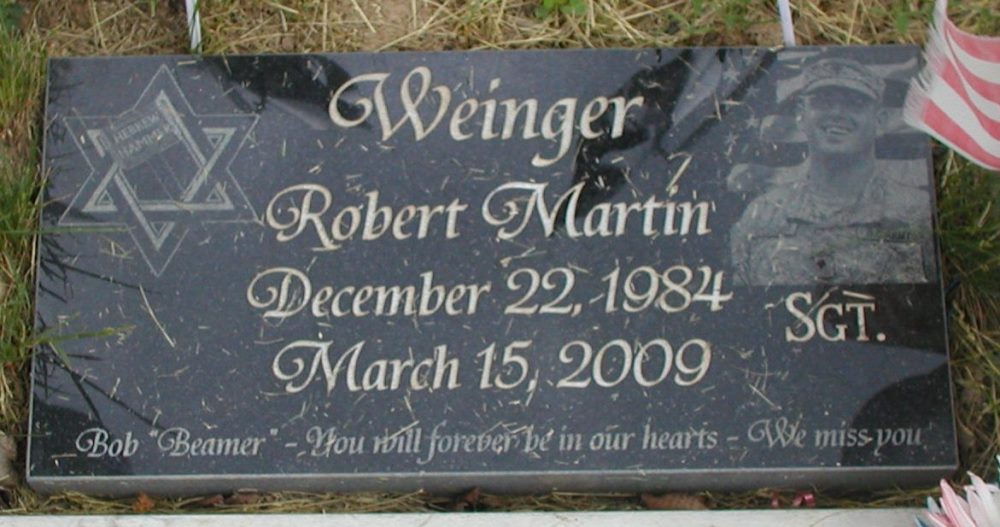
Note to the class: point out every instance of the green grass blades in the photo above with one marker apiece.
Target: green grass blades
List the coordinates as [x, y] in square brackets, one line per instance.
[21, 74]
[10, 13]
[566, 7]
[969, 222]
[18, 211]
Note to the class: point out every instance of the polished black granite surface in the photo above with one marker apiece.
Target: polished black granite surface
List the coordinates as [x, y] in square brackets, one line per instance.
[628, 269]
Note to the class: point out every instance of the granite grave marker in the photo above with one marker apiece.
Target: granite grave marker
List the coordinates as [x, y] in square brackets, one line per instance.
[576, 270]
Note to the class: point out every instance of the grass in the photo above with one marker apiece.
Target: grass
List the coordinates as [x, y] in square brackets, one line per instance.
[969, 216]
[21, 70]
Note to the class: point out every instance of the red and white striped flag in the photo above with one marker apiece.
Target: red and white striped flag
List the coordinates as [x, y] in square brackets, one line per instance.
[956, 98]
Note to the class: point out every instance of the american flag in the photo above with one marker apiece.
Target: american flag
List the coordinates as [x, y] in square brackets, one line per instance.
[956, 98]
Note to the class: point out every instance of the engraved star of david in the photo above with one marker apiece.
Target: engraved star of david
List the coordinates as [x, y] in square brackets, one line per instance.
[158, 169]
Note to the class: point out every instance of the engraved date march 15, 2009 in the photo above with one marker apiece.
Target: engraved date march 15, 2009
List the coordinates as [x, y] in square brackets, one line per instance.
[619, 362]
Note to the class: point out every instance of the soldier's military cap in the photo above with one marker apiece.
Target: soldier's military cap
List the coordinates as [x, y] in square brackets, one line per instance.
[842, 73]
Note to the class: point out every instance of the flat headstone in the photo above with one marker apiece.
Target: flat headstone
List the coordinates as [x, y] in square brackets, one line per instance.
[524, 271]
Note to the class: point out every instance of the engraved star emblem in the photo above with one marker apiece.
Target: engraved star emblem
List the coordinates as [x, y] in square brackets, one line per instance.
[159, 169]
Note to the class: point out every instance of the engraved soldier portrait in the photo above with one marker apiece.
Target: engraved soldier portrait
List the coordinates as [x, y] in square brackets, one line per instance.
[845, 215]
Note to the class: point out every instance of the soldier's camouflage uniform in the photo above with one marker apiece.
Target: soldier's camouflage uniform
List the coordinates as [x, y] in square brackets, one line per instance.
[792, 236]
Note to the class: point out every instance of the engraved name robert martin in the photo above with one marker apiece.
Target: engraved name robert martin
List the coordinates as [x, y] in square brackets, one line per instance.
[312, 211]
